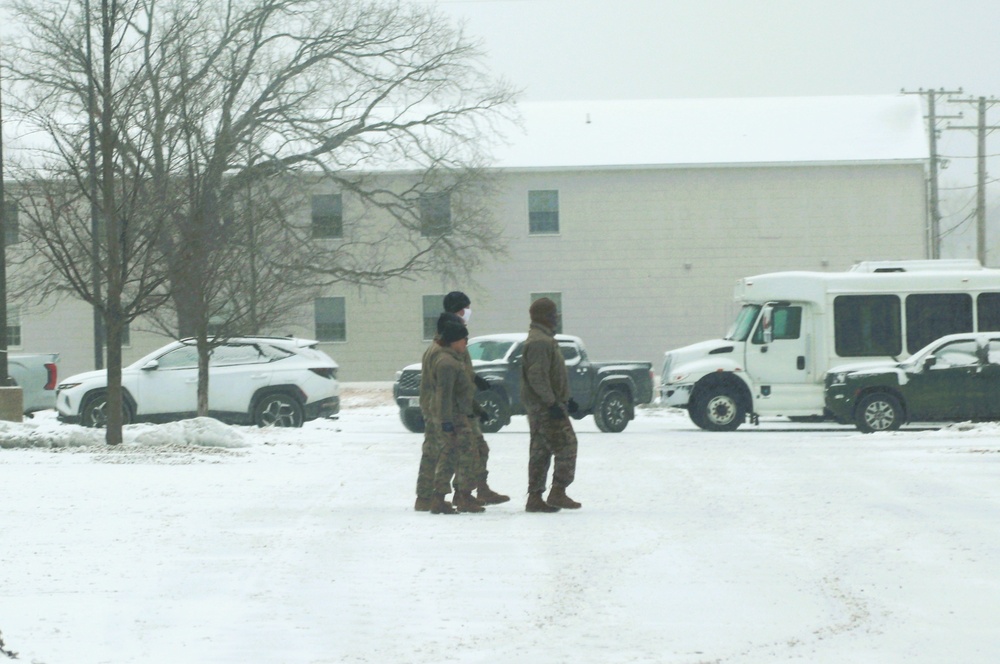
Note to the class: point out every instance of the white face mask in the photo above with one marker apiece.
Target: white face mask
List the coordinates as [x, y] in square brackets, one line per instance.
[466, 315]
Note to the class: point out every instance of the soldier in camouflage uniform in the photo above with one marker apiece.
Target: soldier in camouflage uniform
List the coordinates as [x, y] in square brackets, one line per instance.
[458, 303]
[431, 449]
[451, 411]
[545, 395]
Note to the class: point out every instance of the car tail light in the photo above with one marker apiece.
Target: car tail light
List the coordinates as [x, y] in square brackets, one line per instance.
[325, 372]
[53, 380]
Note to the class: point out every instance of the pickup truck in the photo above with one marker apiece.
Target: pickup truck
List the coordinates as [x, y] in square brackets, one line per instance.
[608, 390]
[36, 375]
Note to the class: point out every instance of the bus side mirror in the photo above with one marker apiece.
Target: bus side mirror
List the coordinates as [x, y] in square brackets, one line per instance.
[765, 324]
[930, 362]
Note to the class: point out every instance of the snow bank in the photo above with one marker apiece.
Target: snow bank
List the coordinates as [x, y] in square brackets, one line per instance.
[47, 432]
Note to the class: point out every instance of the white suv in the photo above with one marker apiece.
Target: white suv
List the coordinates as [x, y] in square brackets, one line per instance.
[269, 381]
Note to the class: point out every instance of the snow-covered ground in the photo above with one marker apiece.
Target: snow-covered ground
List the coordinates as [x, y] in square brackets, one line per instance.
[197, 542]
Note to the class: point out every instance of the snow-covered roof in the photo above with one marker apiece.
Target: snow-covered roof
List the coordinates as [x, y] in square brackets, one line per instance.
[705, 132]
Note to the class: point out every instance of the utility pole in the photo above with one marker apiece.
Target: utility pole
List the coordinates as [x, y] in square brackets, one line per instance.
[934, 234]
[982, 105]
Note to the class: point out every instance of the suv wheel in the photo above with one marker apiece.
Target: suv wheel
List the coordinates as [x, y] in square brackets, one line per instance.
[95, 411]
[277, 410]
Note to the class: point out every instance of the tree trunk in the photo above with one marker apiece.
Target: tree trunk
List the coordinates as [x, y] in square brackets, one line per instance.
[114, 320]
[204, 352]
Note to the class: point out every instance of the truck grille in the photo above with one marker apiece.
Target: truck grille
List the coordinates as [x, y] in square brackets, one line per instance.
[409, 382]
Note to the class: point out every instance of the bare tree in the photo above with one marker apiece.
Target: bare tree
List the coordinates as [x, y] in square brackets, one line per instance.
[235, 96]
[60, 185]
[261, 90]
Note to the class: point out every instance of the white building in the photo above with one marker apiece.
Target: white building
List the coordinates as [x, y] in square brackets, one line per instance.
[638, 217]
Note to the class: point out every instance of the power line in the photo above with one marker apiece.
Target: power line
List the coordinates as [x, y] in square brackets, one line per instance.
[934, 240]
[981, 129]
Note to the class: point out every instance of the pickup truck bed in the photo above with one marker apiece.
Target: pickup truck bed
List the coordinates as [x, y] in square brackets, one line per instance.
[36, 375]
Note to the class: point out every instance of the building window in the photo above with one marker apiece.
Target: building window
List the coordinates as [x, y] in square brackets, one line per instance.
[543, 211]
[557, 298]
[435, 213]
[433, 306]
[331, 319]
[11, 229]
[13, 326]
[327, 216]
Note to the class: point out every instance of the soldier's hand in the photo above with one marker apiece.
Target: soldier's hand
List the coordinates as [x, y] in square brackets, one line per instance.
[481, 383]
[556, 412]
[447, 427]
[572, 407]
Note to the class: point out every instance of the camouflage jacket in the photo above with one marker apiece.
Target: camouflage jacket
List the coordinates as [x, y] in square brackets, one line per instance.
[544, 381]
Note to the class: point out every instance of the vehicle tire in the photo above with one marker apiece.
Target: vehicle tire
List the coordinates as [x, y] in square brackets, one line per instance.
[94, 412]
[878, 412]
[412, 419]
[277, 410]
[495, 404]
[718, 409]
[613, 412]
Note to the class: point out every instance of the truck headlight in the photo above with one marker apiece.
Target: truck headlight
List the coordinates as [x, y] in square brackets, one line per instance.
[838, 378]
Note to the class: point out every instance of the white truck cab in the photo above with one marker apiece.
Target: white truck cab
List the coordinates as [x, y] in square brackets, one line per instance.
[794, 326]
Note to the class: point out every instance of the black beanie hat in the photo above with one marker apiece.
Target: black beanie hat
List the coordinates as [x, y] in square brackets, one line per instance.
[446, 318]
[455, 301]
[452, 331]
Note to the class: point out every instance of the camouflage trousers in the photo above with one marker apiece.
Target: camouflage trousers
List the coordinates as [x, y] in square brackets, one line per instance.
[480, 458]
[551, 439]
[449, 456]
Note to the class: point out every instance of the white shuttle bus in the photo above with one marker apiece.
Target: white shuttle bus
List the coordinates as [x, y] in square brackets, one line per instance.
[794, 326]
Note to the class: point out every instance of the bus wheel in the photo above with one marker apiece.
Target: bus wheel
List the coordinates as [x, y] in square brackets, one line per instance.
[878, 412]
[718, 409]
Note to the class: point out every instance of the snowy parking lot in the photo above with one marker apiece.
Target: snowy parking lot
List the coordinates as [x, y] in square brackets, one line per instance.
[198, 542]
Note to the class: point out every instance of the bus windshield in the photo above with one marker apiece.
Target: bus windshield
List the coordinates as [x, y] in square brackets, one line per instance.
[744, 323]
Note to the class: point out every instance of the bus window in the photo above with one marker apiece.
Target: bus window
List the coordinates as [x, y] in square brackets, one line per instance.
[988, 311]
[931, 316]
[867, 326]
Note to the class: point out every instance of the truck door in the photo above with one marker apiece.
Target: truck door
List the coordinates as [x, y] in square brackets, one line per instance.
[578, 373]
[779, 362]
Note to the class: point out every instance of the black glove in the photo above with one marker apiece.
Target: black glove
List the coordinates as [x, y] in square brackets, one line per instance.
[572, 407]
[556, 412]
[447, 427]
[481, 383]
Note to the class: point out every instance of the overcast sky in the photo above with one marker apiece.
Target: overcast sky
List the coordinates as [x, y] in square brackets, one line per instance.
[633, 49]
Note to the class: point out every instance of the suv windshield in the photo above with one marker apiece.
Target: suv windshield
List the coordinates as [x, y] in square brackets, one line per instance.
[744, 323]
